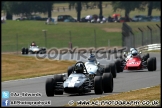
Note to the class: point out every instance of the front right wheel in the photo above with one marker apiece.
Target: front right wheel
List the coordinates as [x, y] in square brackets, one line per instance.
[150, 64]
[113, 69]
[107, 82]
[98, 85]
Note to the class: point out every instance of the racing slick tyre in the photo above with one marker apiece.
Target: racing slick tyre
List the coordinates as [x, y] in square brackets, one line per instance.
[118, 65]
[154, 59]
[26, 51]
[98, 85]
[58, 78]
[70, 69]
[145, 57]
[41, 51]
[113, 69]
[107, 69]
[150, 64]
[23, 50]
[107, 82]
[122, 63]
[44, 51]
[50, 87]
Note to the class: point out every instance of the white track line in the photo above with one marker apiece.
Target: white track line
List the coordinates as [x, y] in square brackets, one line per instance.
[28, 78]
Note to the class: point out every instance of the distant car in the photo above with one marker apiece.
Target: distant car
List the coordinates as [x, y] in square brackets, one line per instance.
[123, 19]
[33, 50]
[70, 19]
[21, 19]
[36, 17]
[138, 18]
[66, 18]
[155, 19]
[94, 18]
[83, 19]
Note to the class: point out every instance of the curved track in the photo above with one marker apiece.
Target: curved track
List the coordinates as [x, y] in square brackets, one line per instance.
[125, 81]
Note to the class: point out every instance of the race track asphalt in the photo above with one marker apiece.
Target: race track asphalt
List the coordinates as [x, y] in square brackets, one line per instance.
[125, 81]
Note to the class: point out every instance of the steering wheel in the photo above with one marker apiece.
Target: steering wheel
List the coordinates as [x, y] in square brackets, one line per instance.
[80, 62]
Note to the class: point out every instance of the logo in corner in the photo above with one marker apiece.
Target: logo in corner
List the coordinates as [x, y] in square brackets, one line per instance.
[5, 94]
[5, 102]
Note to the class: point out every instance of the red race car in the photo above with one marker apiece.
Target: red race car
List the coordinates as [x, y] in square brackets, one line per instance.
[137, 63]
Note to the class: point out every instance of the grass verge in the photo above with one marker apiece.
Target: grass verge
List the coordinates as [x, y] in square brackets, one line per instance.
[146, 96]
[154, 51]
[20, 67]
[18, 34]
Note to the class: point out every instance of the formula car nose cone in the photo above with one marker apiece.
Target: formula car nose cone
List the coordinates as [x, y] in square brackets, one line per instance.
[35, 49]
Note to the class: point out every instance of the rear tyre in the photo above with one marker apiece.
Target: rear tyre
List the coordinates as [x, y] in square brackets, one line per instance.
[26, 51]
[50, 87]
[150, 64]
[98, 85]
[23, 50]
[107, 82]
[154, 59]
[58, 78]
[70, 70]
[118, 65]
[107, 69]
[113, 69]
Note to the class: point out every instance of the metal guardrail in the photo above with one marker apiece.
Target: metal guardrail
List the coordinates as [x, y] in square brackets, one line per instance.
[149, 47]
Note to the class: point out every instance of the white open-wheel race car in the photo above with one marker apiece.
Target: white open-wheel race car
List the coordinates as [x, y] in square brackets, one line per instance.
[34, 50]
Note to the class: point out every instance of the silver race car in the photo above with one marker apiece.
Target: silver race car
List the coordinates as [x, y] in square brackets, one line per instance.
[94, 68]
[79, 82]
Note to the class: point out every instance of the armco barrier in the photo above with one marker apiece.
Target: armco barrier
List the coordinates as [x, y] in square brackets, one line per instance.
[149, 47]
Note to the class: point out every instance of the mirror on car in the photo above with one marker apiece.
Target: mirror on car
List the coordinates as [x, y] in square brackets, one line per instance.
[124, 54]
[98, 63]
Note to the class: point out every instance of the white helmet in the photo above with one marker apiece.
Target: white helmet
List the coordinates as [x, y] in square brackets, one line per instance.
[131, 49]
[134, 53]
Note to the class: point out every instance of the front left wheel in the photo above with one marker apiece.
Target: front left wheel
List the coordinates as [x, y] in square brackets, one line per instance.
[58, 78]
[50, 87]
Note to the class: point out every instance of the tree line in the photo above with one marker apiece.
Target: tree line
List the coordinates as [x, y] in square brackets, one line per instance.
[26, 8]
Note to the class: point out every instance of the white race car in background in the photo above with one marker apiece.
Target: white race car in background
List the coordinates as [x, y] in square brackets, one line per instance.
[34, 50]
[95, 69]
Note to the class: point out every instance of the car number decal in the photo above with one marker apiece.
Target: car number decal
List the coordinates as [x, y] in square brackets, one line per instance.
[73, 81]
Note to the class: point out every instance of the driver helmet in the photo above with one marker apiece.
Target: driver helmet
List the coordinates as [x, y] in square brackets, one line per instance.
[131, 49]
[79, 68]
[134, 53]
[92, 58]
[33, 44]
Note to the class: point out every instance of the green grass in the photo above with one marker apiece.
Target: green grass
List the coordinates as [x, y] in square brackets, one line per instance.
[154, 51]
[82, 34]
